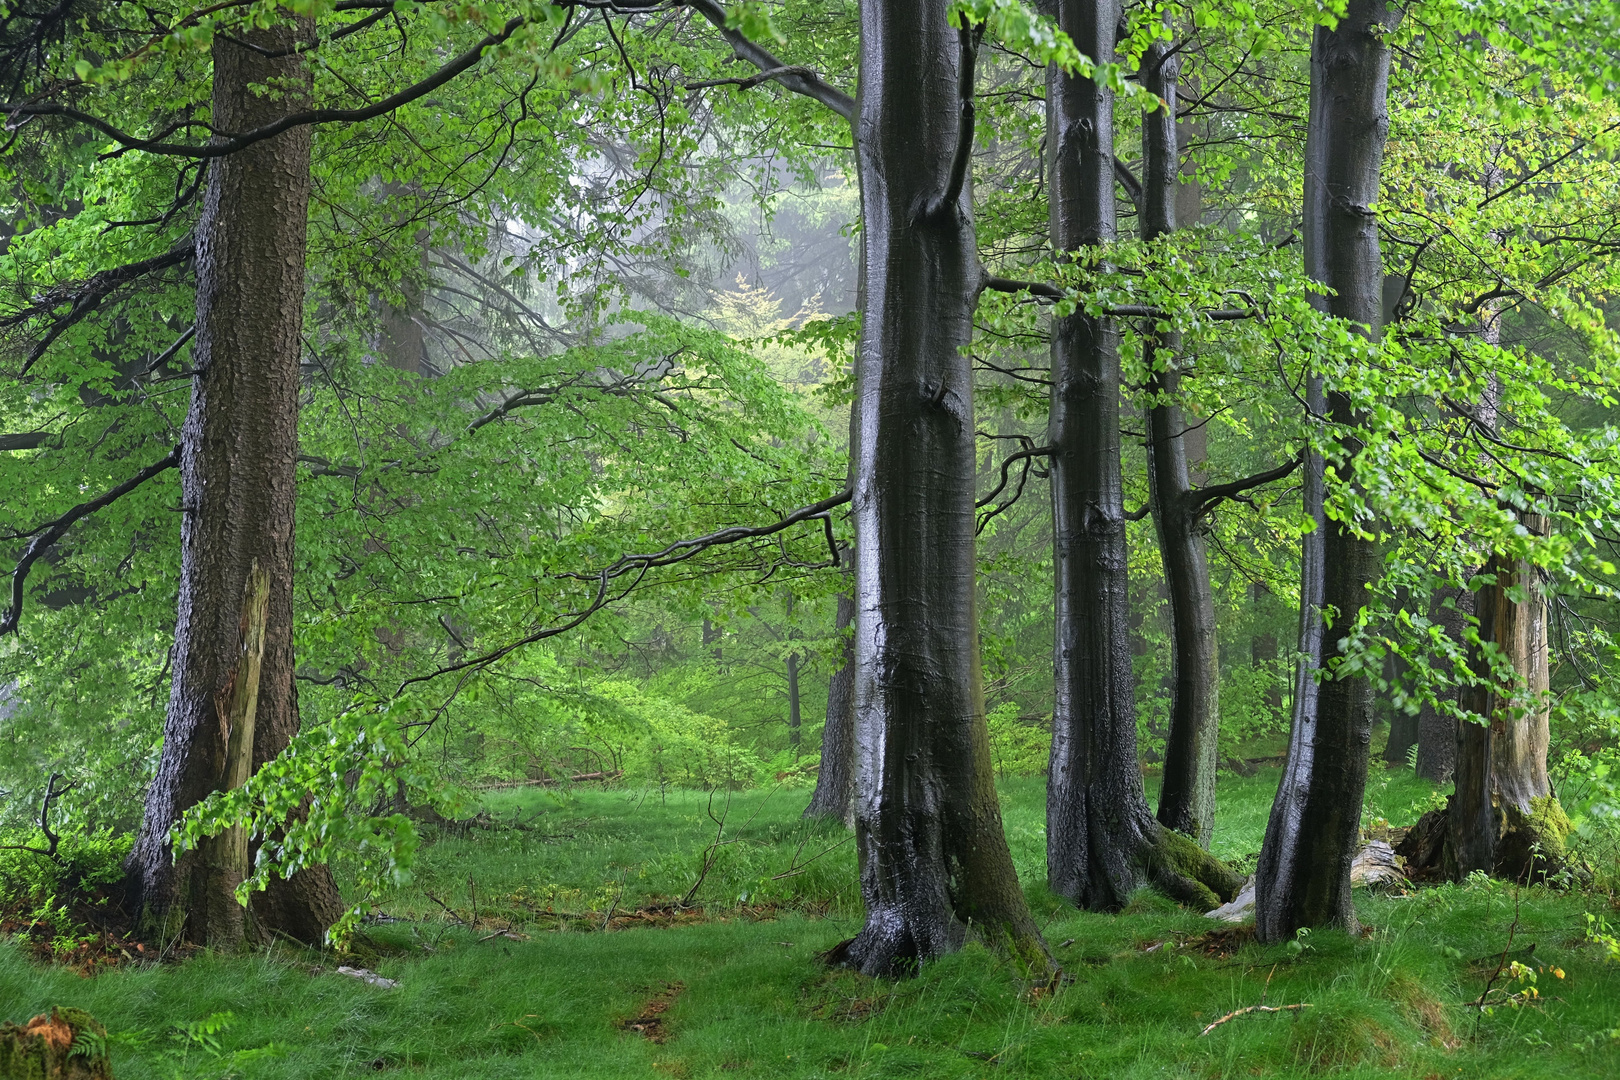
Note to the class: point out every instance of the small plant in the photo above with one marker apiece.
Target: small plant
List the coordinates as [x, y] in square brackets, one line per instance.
[1600, 934]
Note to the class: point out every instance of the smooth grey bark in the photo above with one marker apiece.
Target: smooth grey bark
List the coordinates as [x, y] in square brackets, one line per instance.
[1102, 840]
[237, 479]
[933, 855]
[835, 779]
[1303, 877]
[1187, 789]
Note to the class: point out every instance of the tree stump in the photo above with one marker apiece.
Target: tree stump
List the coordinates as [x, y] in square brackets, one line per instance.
[65, 1044]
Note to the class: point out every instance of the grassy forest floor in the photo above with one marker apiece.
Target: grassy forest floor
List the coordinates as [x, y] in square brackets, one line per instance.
[504, 968]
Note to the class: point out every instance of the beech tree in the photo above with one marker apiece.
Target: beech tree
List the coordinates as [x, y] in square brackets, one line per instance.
[1096, 857]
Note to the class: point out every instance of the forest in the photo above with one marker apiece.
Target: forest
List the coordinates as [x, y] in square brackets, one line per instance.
[689, 538]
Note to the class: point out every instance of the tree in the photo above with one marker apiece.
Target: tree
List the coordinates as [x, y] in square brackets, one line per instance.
[1102, 840]
[1303, 877]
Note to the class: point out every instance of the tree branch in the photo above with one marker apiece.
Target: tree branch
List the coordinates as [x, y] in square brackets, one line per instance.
[230, 144]
[52, 531]
[753, 80]
[810, 86]
[24, 440]
[1010, 285]
[86, 296]
[962, 159]
[639, 565]
[52, 793]
[1205, 498]
[1128, 180]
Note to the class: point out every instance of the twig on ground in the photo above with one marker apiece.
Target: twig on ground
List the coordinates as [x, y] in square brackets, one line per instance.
[1235, 1013]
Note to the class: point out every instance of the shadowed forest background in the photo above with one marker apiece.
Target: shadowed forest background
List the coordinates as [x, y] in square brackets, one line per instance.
[658, 538]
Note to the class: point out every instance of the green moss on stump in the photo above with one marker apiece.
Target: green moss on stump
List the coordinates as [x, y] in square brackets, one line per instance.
[1188, 874]
[67, 1044]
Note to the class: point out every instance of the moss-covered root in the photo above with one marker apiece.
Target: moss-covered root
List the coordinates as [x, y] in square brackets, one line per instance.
[1185, 872]
[1530, 847]
[66, 1045]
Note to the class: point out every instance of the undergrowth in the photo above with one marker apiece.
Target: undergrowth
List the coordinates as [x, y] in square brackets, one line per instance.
[504, 969]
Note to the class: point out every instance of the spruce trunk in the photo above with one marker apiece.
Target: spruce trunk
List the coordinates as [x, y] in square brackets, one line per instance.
[237, 476]
[933, 855]
[1303, 877]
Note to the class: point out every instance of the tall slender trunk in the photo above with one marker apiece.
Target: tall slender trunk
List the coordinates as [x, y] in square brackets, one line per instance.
[1263, 644]
[835, 779]
[1303, 877]
[237, 478]
[1437, 731]
[1187, 792]
[933, 855]
[1102, 839]
[795, 718]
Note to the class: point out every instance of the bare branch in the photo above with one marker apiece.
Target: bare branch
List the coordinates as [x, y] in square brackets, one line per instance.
[1205, 498]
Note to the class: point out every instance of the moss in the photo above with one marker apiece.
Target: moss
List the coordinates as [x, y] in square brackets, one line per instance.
[54, 1047]
[1328, 1040]
[1187, 873]
[1550, 824]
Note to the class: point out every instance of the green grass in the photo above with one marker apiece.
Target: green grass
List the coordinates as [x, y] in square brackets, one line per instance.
[753, 1000]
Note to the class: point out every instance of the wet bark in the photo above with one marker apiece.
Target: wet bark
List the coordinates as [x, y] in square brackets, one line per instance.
[1437, 731]
[1303, 877]
[1102, 840]
[1187, 791]
[237, 476]
[835, 779]
[933, 855]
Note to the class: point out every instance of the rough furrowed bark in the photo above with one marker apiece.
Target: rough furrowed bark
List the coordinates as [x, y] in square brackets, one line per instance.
[237, 476]
[1503, 818]
[1187, 790]
[835, 779]
[933, 855]
[1303, 877]
[1102, 840]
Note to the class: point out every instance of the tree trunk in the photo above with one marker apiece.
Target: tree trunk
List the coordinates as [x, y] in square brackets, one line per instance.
[1102, 840]
[1437, 732]
[835, 780]
[933, 855]
[1503, 816]
[794, 717]
[1187, 791]
[237, 477]
[1303, 877]
[1263, 645]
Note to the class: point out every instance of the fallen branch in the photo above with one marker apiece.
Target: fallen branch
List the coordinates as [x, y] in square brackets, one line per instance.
[1235, 1013]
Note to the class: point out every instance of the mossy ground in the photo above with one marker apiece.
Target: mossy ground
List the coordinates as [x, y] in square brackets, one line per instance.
[736, 989]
